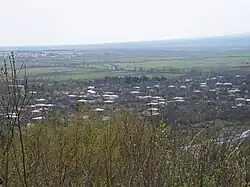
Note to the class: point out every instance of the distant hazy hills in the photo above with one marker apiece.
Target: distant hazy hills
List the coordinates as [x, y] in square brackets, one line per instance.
[219, 42]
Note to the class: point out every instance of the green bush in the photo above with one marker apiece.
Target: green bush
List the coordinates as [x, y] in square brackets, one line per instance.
[124, 151]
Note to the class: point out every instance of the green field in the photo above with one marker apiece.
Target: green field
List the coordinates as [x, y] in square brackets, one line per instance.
[34, 71]
[97, 75]
[150, 58]
[124, 68]
[193, 63]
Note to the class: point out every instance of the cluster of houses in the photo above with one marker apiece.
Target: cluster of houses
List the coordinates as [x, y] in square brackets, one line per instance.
[186, 99]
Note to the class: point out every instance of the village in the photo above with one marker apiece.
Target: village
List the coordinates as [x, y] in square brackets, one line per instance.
[179, 100]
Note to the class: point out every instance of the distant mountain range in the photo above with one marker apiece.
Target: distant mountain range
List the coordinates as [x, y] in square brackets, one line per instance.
[241, 41]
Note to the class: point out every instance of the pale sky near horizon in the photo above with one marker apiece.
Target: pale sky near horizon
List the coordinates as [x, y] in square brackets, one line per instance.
[56, 22]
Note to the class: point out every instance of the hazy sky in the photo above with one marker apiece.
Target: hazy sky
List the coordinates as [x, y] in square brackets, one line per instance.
[41, 22]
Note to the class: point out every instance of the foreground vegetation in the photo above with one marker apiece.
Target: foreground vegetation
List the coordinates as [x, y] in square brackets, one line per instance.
[124, 151]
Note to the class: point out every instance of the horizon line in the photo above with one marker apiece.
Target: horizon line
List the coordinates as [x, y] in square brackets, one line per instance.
[125, 42]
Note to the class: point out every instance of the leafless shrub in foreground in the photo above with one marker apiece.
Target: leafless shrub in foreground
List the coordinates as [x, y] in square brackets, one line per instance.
[13, 102]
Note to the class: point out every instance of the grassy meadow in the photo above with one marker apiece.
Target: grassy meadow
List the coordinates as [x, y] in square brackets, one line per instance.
[92, 68]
